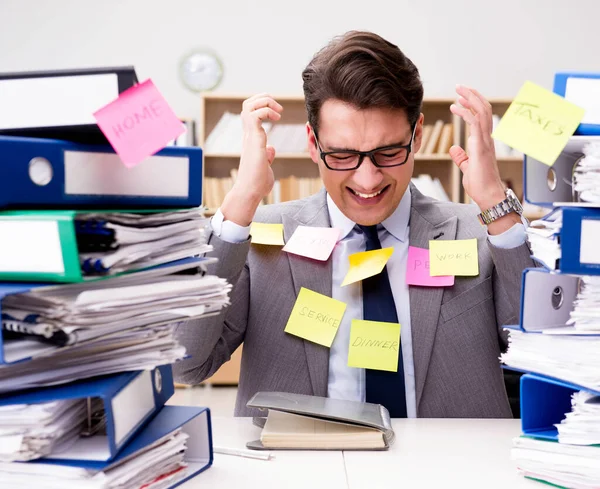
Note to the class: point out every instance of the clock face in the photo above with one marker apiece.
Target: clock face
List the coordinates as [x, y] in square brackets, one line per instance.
[201, 70]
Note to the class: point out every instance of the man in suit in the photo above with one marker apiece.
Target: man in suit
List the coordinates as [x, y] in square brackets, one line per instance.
[363, 99]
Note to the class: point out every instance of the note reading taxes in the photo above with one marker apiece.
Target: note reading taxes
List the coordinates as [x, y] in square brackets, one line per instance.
[374, 345]
[453, 257]
[539, 123]
[313, 242]
[315, 317]
[266, 234]
[417, 270]
[366, 264]
[139, 123]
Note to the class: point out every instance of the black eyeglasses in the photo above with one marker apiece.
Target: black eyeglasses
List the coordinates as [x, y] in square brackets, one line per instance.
[384, 157]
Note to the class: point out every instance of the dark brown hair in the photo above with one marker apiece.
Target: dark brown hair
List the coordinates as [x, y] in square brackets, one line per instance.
[364, 70]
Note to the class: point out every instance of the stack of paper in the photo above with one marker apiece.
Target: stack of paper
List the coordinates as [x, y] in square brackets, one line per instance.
[31, 431]
[563, 465]
[542, 235]
[585, 315]
[582, 425]
[572, 358]
[586, 174]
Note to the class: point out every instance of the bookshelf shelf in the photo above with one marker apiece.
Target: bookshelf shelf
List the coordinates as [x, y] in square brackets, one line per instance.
[281, 156]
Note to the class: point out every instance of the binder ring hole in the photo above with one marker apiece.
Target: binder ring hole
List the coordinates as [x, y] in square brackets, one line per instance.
[157, 381]
[40, 171]
[557, 297]
[551, 179]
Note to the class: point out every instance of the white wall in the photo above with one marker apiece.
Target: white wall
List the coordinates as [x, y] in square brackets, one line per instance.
[265, 44]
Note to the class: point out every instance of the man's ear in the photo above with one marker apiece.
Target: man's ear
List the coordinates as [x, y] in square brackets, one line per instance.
[312, 143]
[418, 134]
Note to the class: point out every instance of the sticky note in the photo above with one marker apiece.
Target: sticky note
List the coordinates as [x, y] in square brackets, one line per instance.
[366, 264]
[315, 317]
[374, 345]
[266, 234]
[139, 123]
[417, 270]
[539, 123]
[453, 257]
[316, 243]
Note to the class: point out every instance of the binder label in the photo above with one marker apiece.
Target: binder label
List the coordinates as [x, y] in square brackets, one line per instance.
[590, 237]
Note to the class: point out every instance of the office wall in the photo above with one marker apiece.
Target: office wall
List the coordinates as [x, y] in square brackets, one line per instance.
[265, 44]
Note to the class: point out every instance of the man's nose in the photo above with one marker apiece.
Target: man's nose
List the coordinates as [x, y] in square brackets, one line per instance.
[367, 176]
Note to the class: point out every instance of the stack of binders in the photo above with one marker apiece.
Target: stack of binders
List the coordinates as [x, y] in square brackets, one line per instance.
[557, 343]
[98, 265]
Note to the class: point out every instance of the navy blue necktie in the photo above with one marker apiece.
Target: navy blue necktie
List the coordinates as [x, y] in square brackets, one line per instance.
[386, 388]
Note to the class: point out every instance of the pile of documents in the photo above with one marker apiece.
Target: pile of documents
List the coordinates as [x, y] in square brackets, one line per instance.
[105, 259]
[586, 174]
[585, 315]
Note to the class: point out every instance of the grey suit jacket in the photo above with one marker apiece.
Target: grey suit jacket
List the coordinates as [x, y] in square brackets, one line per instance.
[456, 331]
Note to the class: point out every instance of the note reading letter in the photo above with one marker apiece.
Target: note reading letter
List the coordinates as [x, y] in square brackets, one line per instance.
[453, 257]
[417, 270]
[366, 264]
[266, 234]
[315, 243]
[539, 123]
[315, 317]
[139, 123]
[374, 345]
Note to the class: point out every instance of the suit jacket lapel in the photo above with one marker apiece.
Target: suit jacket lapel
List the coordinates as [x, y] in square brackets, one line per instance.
[426, 222]
[314, 275]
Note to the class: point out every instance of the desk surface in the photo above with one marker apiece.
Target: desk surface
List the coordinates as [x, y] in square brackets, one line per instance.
[465, 453]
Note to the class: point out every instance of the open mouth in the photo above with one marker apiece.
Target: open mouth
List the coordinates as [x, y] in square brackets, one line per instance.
[370, 198]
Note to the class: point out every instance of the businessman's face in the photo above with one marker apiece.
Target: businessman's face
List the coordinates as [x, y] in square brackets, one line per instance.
[369, 194]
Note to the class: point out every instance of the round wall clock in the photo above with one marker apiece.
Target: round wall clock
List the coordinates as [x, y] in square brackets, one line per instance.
[201, 70]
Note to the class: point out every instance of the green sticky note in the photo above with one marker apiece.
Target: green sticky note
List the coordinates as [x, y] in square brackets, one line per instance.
[315, 317]
[266, 234]
[456, 257]
[374, 345]
[539, 123]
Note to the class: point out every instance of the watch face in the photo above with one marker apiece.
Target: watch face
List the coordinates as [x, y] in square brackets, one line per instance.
[201, 71]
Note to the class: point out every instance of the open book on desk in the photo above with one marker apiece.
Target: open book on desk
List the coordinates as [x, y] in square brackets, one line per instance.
[302, 422]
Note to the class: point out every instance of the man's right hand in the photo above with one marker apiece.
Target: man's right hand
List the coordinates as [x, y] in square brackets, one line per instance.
[255, 177]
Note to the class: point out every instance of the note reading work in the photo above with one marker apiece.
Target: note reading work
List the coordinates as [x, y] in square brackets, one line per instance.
[453, 257]
[539, 123]
[417, 270]
[315, 317]
[139, 123]
[316, 243]
[374, 345]
[266, 234]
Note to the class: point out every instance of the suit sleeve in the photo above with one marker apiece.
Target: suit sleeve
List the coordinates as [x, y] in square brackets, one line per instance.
[210, 341]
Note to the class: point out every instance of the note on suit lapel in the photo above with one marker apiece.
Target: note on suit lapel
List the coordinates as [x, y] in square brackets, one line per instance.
[316, 276]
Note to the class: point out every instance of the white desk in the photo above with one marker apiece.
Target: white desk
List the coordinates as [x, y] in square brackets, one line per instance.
[428, 453]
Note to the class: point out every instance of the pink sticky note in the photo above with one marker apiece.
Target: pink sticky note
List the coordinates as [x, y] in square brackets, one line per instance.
[417, 270]
[139, 123]
[315, 243]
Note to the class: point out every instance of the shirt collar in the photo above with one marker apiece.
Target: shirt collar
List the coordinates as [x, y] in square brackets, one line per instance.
[396, 224]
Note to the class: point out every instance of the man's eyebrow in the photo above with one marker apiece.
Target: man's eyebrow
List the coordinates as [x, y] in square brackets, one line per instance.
[342, 149]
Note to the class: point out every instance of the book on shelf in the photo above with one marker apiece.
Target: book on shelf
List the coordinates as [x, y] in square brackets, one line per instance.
[437, 138]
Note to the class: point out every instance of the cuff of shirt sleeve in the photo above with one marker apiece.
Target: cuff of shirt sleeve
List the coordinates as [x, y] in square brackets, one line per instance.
[227, 230]
[511, 238]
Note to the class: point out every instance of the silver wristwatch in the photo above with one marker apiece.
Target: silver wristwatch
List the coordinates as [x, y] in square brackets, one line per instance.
[508, 205]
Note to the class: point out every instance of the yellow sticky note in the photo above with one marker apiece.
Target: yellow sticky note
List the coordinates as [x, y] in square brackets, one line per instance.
[266, 234]
[315, 317]
[366, 264]
[453, 257]
[374, 345]
[539, 123]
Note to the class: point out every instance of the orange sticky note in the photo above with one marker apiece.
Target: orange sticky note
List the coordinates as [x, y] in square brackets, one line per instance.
[453, 257]
[374, 345]
[315, 317]
[316, 243]
[139, 123]
[539, 123]
[366, 264]
[266, 234]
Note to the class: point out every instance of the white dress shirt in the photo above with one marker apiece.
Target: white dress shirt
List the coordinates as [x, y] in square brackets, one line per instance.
[349, 382]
